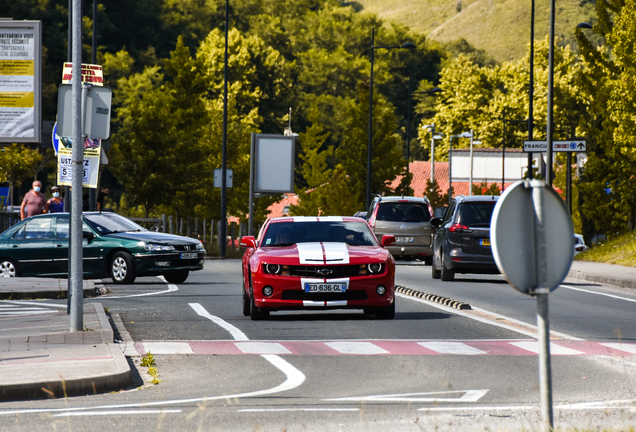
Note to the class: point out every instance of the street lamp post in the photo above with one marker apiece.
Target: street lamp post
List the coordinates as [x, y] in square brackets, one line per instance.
[473, 141]
[503, 147]
[408, 119]
[223, 227]
[407, 45]
[434, 136]
[450, 164]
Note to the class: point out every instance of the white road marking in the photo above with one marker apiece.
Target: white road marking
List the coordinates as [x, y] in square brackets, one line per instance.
[297, 409]
[119, 412]
[171, 288]
[234, 331]
[452, 348]
[487, 321]
[533, 346]
[167, 348]
[630, 348]
[466, 396]
[599, 293]
[261, 348]
[356, 348]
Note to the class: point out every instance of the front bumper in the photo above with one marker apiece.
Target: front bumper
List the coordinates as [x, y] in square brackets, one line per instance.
[405, 250]
[289, 294]
[157, 264]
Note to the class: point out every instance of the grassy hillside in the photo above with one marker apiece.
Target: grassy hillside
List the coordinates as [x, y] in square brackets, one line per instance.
[620, 250]
[501, 27]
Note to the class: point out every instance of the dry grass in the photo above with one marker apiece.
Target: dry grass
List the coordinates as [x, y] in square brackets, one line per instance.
[501, 27]
[620, 250]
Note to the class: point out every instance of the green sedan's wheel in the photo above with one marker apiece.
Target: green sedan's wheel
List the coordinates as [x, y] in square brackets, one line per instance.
[122, 268]
[177, 277]
[8, 268]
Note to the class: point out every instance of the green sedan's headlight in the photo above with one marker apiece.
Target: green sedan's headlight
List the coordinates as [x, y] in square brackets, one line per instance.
[199, 246]
[151, 247]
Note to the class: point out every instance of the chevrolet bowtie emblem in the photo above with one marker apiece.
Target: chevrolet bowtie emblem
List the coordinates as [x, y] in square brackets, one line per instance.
[324, 272]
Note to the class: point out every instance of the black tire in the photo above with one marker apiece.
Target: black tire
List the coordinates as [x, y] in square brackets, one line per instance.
[122, 268]
[247, 305]
[386, 313]
[257, 314]
[8, 268]
[177, 277]
[436, 274]
[447, 275]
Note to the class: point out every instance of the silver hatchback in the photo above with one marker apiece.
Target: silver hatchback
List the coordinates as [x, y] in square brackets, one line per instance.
[409, 220]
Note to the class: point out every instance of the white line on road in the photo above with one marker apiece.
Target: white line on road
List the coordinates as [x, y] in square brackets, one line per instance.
[466, 396]
[234, 331]
[167, 348]
[488, 321]
[533, 346]
[171, 288]
[118, 412]
[262, 348]
[296, 409]
[356, 348]
[599, 293]
[452, 348]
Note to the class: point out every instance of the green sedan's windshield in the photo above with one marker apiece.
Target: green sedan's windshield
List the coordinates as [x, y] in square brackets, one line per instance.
[106, 223]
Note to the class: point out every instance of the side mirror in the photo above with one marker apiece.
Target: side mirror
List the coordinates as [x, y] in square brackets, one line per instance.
[88, 235]
[248, 242]
[437, 222]
[388, 240]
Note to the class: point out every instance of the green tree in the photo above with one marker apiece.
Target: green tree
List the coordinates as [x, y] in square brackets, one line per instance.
[387, 161]
[434, 194]
[17, 163]
[157, 152]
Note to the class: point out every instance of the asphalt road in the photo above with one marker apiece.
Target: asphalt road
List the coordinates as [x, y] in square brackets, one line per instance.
[431, 368]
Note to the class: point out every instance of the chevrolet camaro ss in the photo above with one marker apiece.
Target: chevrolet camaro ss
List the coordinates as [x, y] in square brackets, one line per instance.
[317, 263]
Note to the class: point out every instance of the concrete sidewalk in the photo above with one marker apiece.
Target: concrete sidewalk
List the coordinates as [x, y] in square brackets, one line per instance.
[41, 358]
[609, 274]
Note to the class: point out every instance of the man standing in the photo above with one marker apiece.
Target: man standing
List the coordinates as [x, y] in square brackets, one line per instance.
[34, 202]
[100, 198]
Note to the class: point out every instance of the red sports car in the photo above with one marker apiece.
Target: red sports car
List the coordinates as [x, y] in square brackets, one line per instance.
[317, 263]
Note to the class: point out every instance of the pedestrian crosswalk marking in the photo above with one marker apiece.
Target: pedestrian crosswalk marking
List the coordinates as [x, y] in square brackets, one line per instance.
[367, 348]
[555, 349]
[384, 347]
[452, 348]
[14, 309]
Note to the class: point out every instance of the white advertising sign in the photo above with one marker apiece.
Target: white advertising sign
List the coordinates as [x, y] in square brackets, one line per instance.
[20, 86]
[274, 157]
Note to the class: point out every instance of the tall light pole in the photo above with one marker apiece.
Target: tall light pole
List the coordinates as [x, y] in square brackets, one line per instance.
[407, 45]
[408, 119]
[434, 137]
[473, 141]
[450, 164]
[223, 227]
[503, 147]
[530, 93]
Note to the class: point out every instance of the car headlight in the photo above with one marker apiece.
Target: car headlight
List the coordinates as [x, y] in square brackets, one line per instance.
[151, 247]
[375, 268]
[276, 269]
[199, 246]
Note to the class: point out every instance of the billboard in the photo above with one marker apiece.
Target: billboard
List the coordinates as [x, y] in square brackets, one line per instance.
[20, 81]
[273, 163]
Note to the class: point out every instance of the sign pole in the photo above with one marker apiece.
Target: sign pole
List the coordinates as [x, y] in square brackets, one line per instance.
[75, 277]
[545, 374]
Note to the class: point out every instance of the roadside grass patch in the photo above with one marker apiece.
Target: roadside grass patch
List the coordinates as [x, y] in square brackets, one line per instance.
[620, 250]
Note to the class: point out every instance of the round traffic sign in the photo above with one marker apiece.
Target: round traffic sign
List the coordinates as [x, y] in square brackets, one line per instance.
[532, 237]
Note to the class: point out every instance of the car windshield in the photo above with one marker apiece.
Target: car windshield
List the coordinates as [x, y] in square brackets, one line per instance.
[403, 212]
[476, 214]
[288, 233]
[107, 223]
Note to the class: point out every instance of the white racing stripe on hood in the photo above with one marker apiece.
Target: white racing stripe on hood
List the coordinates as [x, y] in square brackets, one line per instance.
[310, 253]
[336, 253]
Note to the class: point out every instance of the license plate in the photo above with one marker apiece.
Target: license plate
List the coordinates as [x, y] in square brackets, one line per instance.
[189, 255]
[326, 287]
[484, 242]
[404, 239]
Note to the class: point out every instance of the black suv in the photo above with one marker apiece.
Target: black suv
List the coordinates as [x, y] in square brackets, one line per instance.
[462, 241]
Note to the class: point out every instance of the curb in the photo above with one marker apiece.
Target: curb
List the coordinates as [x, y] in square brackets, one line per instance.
[73, 387]
[575, 274]
[90, 290]
[108, 335]
[433, 298]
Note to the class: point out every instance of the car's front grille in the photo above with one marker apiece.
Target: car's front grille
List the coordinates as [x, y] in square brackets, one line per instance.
[302, 295]
[182, 248]
[325, 272]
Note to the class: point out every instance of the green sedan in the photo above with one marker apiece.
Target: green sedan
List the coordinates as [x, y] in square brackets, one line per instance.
[113, 246]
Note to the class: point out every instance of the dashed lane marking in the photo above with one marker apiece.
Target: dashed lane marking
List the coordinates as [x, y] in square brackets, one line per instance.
[385, 347]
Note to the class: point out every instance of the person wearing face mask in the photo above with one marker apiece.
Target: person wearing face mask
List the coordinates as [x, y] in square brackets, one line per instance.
[55, 204]
[34, 202]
